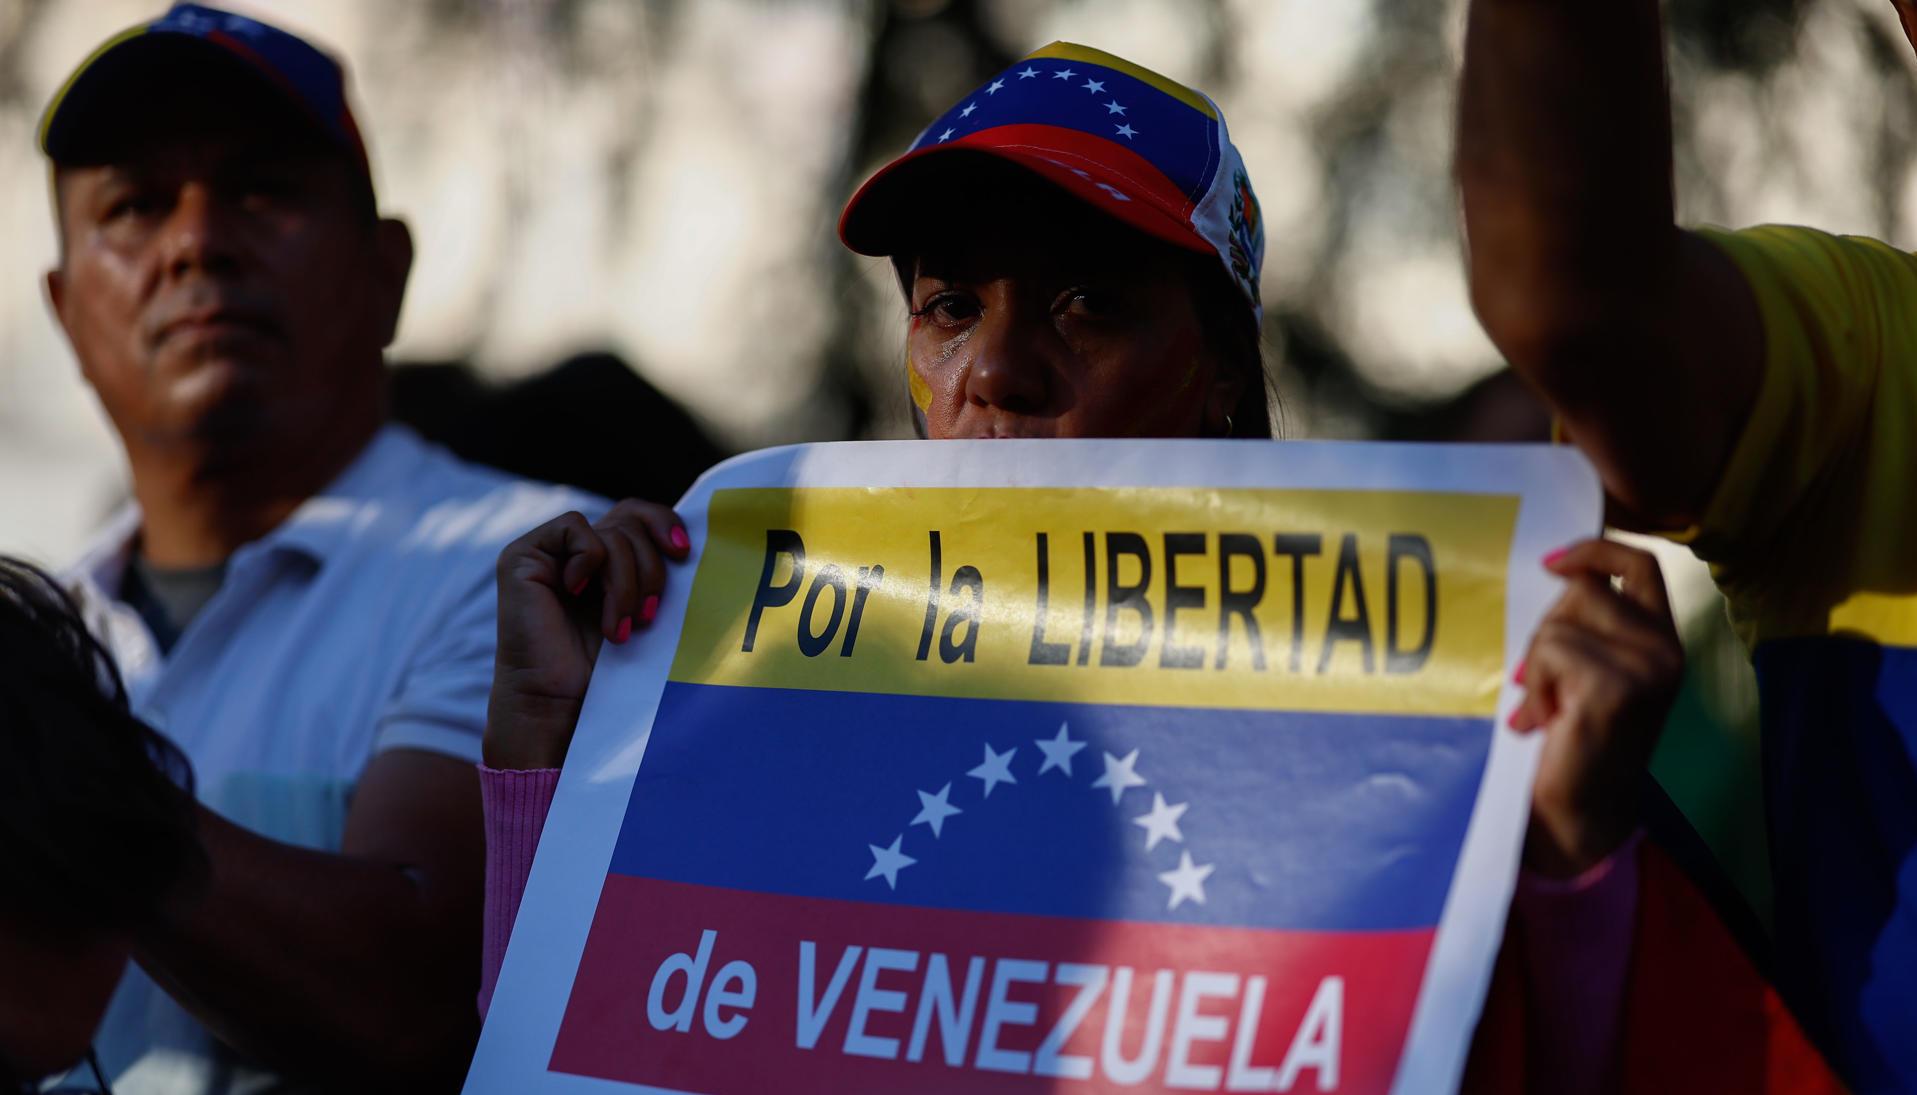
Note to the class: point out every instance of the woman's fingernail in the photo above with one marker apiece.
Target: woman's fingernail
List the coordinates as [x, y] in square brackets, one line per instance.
[1551, 558]
[1512, 722]
[579, 587]
[679, 538]
[625, 630]
[1517, 675]
[648, 610]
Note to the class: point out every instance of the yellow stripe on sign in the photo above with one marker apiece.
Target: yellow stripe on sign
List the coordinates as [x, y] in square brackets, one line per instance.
[1069, 51]
[1359, 601]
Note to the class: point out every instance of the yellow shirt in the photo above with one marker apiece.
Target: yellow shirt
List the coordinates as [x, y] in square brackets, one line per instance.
[1812, 534]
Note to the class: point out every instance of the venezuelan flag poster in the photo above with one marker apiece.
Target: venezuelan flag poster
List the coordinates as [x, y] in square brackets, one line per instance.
[1049, 766]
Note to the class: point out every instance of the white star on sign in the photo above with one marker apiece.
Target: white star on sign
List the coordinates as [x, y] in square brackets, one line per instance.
[1094, 86]
[1058, 752]
[967, 112]
[945, 136]
[1063, 74]
[1160, 824]
[890, 861]
[1114, 107]
[1119, 775]
[1187, 881]
[1028, 73]
[934, 809]
[1127, 132]
[995, 769]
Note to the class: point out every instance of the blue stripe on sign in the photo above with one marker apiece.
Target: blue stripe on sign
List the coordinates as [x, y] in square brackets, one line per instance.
[1179, 141]
[1310, 822]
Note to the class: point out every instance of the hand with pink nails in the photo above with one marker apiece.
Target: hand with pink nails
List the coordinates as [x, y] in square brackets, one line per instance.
[565, 588]
[1599, 680]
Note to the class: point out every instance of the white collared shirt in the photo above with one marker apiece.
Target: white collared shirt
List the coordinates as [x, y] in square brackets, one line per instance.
[364, 622]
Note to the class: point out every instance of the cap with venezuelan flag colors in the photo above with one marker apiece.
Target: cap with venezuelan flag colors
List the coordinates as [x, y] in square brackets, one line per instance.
[1149, 152]
[192, 40]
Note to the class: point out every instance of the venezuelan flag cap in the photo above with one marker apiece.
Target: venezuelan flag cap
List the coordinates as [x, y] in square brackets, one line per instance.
[195, 42]
[1149, 152]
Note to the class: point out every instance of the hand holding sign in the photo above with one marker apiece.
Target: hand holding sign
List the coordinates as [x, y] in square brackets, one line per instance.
[564, 588]
[1603, 669]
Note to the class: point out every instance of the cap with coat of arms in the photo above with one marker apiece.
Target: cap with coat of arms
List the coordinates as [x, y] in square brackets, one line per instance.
[1140, 148]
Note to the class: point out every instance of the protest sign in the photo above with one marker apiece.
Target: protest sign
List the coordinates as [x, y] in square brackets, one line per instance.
[1049, 766]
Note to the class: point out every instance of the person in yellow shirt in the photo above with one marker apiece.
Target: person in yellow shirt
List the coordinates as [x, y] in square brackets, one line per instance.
[1753, 394]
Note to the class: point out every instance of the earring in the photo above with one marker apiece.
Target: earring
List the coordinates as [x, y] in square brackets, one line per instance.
[1228, 426]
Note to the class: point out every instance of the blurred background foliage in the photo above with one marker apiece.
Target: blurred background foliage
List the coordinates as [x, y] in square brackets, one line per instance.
[655, 182]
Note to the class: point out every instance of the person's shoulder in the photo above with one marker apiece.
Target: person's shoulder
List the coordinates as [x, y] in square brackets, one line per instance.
[1800, 254]
[452, 506]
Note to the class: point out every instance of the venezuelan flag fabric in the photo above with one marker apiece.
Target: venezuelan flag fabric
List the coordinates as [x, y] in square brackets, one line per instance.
[1812, 535]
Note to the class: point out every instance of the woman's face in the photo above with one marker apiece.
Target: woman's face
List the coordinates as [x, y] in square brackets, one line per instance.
[1035, 316]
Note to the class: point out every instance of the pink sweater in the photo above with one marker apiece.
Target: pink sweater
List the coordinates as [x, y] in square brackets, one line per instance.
[1577, 932]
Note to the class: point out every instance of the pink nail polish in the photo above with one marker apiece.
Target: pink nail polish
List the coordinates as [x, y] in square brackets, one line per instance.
[1517, 675]
[1551, 558]
[679, 538]
[1512, 721]
[579, 587]
[648, 610]
[625, 630]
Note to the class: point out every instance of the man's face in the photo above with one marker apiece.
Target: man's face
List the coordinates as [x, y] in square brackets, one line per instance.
[222, 282]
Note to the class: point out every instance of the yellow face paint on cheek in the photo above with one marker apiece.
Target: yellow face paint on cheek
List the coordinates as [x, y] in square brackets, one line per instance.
[921, 391]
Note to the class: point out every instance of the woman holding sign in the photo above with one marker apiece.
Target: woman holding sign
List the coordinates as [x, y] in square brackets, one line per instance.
[1079, 247]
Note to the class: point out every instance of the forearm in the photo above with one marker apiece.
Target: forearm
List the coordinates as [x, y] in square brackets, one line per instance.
[1578, 935]
[1564, 153]
[321, 963]
[1644, 340]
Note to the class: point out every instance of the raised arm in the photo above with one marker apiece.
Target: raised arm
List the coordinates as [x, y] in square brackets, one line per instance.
[1645, 340]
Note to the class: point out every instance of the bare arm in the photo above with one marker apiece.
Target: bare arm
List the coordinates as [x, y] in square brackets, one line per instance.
[1646, 341]
[357, 965]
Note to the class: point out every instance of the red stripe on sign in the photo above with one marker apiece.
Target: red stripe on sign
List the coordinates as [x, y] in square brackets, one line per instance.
[698, 988]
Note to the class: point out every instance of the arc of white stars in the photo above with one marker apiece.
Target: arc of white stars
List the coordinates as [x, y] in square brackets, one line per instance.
[946, 136]
[996, 84]
[934, 809]
[1127, 132]
[967, 112]
[1095, 86]
[1058, 752]
[1187, 880]
[995, 769]
[1119, 776]
[887, 862]
[1160, 824]
[1115, 107]
[1063, 74]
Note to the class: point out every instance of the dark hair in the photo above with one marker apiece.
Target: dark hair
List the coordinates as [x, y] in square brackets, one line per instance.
[1232, 334]
[97, 817]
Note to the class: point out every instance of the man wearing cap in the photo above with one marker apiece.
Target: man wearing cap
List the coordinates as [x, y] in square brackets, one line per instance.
[1753, 394]
[300, 594]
